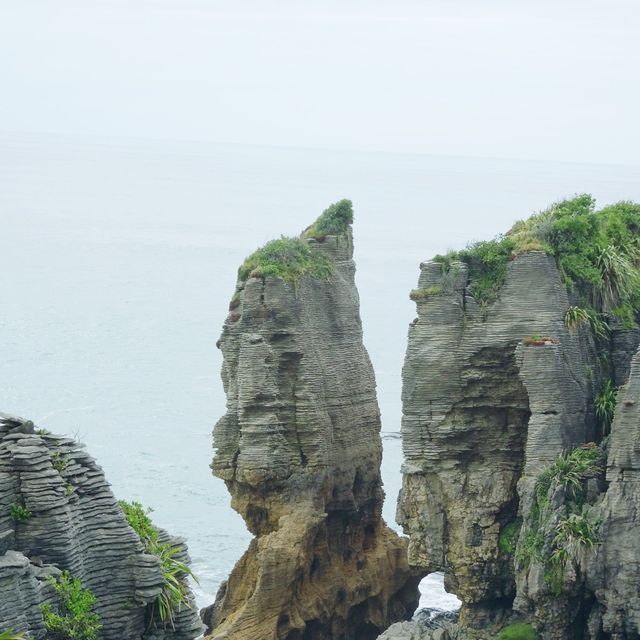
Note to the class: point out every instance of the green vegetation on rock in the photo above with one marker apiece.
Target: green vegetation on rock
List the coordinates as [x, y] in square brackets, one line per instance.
[597, 252]
[575, 526]
[286, 258]
[60, 462]
[174, 590]
[509, 536]
[333, 221]
[487, 263]
[73, 618]
[517, 631]
[10, 635]
[605, 405]
[19, 512]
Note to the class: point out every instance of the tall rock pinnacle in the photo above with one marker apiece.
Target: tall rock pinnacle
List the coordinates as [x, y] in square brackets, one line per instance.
[299, 449]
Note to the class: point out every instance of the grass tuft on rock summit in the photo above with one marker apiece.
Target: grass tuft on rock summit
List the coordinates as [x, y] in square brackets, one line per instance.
[291, 258]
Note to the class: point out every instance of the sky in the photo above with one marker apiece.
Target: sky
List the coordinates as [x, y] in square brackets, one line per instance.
[550, 80]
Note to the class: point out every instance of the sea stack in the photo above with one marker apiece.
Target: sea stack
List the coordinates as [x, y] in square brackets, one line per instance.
[509, 390]
[299, 449]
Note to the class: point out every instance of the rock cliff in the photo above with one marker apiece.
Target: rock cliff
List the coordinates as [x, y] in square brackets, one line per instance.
[299, 449]
[615, 570]
[505, 442]
[57, 513]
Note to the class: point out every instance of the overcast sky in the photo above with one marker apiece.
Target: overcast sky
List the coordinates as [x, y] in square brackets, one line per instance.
[547, 79]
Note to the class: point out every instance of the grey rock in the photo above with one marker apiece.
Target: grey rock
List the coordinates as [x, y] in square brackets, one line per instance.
[484, 413]
[77, 525]
[299, 449]
[615, 571]
[480, 411]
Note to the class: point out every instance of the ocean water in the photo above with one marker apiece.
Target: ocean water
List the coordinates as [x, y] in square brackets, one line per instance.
[118, 258]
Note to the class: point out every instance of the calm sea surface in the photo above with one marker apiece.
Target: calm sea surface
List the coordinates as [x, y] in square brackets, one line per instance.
[118, 258]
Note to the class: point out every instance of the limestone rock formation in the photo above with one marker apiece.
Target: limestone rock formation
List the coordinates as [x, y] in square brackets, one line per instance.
[481, 410]
[615, 570]
[74, 524]
[491, 398]
[299, 449]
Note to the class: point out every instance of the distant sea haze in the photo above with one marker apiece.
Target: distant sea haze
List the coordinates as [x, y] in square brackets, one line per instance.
[118, 260]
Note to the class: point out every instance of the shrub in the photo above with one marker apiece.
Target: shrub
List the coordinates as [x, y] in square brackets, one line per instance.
[74, 618]
[605, 405]
[286, 258]
[517, 631]
[333, 221]
[571, 471]
[575, 317]
[428, 292]
[174, 590]
[487, 263]
[60, 462]
[19, 512]
[138, 518]
[597, 253]
[572, 533]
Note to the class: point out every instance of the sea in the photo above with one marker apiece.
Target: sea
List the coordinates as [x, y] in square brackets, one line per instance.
[118, 258]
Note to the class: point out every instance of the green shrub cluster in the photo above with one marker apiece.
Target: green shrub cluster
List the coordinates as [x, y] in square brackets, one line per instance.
[19, 512]
[60, 462]
[517, 631]
[487, 263]
[174, 590]
[333, 221]
[286, 258]
[575, 529]
[605, 405]
[74, 618]
[597, 252]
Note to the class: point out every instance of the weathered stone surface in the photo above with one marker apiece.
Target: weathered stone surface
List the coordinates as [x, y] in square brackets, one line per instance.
[480, 411]
[76, 525]
[615, 571]
[300, 450]
[483, 414]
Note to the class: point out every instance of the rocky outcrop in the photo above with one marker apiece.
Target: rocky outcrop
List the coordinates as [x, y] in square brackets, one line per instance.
[614, 573]
[57, 513]
[491, 398]
[299, 449]
[481, 410]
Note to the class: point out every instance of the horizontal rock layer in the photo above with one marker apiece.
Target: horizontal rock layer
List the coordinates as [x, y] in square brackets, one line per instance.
[300, 451]
[76, 525]
[485, 410]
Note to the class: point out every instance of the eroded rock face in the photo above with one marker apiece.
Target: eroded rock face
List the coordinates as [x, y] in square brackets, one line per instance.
[615, 570]
[480, 411]
[484, 414]
[300, 451]
[77, 525]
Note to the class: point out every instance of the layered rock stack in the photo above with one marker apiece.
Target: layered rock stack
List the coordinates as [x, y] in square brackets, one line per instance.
[481, 410]
[57, 513]
[299, 449]
[491, 398]
[614, 571]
